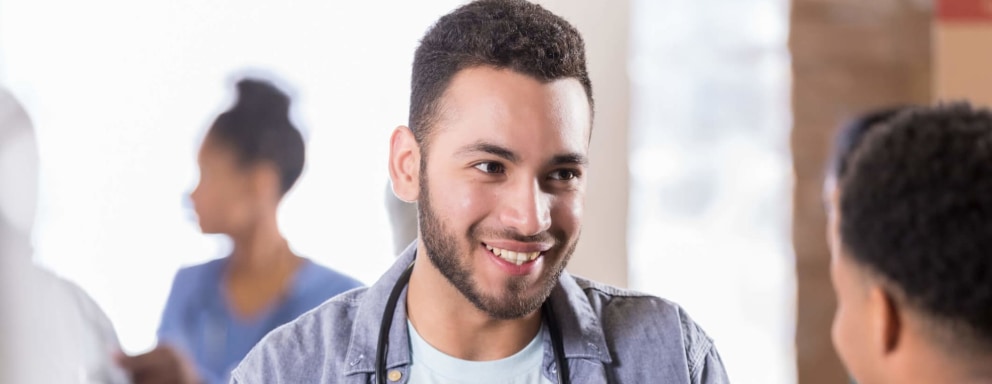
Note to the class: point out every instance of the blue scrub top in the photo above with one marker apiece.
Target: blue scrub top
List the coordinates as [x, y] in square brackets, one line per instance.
[199, 321]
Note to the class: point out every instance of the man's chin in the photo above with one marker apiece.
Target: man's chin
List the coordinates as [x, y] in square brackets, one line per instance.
[510, 306]
[510, 313]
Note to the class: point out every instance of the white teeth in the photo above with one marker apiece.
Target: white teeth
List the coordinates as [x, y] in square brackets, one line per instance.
[517, 258]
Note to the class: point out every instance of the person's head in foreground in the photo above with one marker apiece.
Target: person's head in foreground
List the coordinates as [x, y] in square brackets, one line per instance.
[19, 178]
[910, 233]
[496, 155]
[51, 331]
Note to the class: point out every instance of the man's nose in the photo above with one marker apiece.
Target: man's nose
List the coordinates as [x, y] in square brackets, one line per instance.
[526, 208]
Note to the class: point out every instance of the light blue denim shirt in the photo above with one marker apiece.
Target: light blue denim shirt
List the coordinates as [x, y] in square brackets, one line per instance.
[610, 335]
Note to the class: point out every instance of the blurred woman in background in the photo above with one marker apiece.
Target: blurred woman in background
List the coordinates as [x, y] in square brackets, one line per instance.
[217, 311]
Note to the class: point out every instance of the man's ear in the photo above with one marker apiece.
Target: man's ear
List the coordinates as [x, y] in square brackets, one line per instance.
[888, 325]
[404, 164]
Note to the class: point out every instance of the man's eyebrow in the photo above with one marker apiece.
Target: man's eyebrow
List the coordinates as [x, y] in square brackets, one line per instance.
[569, 158]
[508, 155]
[492, 149]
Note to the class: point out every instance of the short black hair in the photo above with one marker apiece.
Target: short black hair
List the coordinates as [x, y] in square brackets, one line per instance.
[916, 209]
[503, 34]
[258, 129]
[851, 134]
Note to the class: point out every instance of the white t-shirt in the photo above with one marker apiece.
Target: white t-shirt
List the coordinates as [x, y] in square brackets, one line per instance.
[431, 366]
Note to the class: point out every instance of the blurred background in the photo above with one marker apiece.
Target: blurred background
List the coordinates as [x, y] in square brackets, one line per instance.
[714, 118]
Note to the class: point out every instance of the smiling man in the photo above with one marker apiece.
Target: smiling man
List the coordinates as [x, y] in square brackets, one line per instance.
[496, 155]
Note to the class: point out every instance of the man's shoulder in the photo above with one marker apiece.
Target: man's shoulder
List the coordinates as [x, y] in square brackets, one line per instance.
[628, 312]
[287, 353]
[331, 319]
[634, 305]
[610, 298]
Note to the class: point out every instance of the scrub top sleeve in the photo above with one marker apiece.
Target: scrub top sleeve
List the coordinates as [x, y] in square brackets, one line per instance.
[170, 327]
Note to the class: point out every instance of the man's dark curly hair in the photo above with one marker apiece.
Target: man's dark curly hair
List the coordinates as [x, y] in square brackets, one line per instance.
[851, 134]
[916, 210]
[502, 34]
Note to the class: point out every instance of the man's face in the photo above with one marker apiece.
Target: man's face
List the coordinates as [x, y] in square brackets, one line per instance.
[502, 186]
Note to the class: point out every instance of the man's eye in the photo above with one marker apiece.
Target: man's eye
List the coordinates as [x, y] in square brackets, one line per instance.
[564, 174]
[490, 167]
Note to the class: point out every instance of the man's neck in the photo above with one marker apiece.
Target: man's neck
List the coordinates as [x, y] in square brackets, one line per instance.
[931, 364]
[929, 373]
[449, 322]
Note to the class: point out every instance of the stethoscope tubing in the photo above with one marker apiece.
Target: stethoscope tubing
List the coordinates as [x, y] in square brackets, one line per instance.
[382, 348]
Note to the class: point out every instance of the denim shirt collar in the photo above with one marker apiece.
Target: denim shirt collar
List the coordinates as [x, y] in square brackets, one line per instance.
[582, 333]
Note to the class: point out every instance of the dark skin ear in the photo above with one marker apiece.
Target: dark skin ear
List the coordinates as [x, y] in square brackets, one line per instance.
[888, 320]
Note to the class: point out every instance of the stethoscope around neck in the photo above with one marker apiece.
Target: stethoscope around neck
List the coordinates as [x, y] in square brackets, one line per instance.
[387, 321]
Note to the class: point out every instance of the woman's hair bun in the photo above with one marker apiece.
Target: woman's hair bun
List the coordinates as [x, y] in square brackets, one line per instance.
[261, 100]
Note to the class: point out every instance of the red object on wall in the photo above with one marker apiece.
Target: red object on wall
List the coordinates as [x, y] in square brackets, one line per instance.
[964, 10]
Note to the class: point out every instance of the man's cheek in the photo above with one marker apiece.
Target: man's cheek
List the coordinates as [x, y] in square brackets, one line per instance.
[568, 214]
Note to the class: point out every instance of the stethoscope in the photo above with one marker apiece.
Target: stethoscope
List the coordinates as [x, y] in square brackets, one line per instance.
[387, 322]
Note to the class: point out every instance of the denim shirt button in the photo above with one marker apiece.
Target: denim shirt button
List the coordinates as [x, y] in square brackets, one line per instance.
[394, 375]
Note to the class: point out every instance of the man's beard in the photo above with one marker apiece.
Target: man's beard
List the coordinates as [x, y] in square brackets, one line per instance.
[442, 250]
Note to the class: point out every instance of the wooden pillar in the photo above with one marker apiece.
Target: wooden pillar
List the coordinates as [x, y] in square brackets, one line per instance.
[848, 56]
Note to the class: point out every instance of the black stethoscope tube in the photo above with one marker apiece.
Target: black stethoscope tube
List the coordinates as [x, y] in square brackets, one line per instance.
[387, 321]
